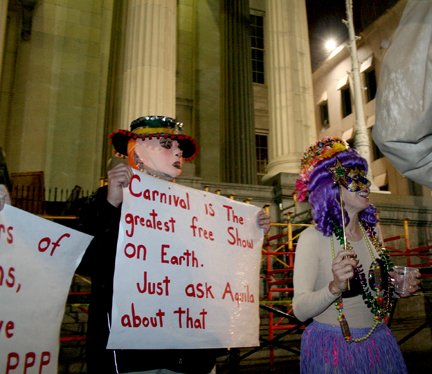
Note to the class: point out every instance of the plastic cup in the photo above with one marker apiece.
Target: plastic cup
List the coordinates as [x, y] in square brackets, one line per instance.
[403, 276]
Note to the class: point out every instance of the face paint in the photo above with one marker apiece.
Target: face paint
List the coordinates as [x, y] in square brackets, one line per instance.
[160, 157]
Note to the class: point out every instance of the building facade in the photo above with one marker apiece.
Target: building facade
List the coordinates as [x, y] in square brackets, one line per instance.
[334, 97]
[74, 71]
[236, 73]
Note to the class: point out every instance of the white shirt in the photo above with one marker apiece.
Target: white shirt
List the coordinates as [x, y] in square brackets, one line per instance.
[312, 275]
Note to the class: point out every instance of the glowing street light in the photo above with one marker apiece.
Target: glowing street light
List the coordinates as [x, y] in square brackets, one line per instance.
[330, 45]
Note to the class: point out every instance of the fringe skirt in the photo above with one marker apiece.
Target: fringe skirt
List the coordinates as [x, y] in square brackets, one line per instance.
[324, 350]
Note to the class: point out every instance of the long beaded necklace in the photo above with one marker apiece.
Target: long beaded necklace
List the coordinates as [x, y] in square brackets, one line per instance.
[381, 303]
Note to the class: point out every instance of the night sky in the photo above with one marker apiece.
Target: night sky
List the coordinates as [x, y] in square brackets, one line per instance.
[325, 22]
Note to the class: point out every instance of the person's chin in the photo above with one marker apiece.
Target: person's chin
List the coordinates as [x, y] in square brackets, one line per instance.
[175, 172]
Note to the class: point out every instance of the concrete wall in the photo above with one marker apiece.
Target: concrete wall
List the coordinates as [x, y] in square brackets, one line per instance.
[394, 209]
[52, 99]
[198, 88]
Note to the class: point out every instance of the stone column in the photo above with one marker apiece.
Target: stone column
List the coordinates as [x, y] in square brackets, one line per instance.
[289, 79]
[149, 61]
[3, 23]
[239, 161]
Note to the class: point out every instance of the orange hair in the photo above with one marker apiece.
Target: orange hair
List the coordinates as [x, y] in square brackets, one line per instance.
[131, 144]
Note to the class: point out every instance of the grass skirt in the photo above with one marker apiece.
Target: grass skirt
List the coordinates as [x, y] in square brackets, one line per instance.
[324, 350]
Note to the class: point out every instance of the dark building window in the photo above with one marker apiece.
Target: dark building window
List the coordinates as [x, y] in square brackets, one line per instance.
[377, 154]
[346, 101]
[257, 30]
[371, 84]
[261, 154]
[324, 115]
[415, 189]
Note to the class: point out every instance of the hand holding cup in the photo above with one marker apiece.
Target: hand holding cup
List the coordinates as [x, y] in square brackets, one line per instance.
[406, 280]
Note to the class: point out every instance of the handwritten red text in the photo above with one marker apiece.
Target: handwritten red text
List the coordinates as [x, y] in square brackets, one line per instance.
[239, 297]
[190, 323]
[160, 197]
[231, 216]
[151, 223]
[188, 258]
[199, 291]
[236, 240]
[45, 243]
[30, 360]
[201, 232]
[3, 230]
[152, 288]
[8, 328]
[138, 321]
[131, 251]
[209, 210]
[8, 278]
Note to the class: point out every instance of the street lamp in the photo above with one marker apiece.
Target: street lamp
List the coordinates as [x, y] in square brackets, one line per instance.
[330, 45]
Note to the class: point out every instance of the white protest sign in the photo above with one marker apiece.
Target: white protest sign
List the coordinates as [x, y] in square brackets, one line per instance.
[37, 262]
[187, 269]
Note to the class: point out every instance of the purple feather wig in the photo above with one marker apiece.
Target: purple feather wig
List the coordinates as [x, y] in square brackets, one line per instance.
[324, 196]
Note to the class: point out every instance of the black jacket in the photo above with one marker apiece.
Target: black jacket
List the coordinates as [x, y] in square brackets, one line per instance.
[100, 219]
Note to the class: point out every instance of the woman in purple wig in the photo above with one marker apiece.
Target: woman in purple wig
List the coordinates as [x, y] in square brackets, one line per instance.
[341, 276]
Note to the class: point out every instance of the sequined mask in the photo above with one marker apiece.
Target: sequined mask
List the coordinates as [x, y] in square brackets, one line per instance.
[356, 180]
[353, 179]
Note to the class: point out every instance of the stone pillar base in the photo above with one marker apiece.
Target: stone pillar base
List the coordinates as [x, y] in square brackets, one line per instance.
[283, 164]
[284, 187]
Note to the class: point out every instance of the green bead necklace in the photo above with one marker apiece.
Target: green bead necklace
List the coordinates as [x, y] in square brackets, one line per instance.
[380, 304]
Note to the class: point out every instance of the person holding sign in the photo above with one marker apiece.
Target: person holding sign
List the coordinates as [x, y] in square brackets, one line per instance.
[342, 274]
[156, 146]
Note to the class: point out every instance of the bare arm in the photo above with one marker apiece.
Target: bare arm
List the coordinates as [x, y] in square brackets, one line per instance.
[318, 281]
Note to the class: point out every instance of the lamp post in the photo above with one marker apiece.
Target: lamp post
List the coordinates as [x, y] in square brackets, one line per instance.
[361, 137]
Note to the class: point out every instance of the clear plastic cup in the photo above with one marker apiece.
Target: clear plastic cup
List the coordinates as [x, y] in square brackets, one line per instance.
[403, 277]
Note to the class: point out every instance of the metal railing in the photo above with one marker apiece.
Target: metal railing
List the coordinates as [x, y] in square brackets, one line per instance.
[49, 202]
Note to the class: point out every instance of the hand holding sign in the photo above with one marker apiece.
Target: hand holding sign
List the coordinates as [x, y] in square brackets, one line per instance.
[176, 273]
[118, 178]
